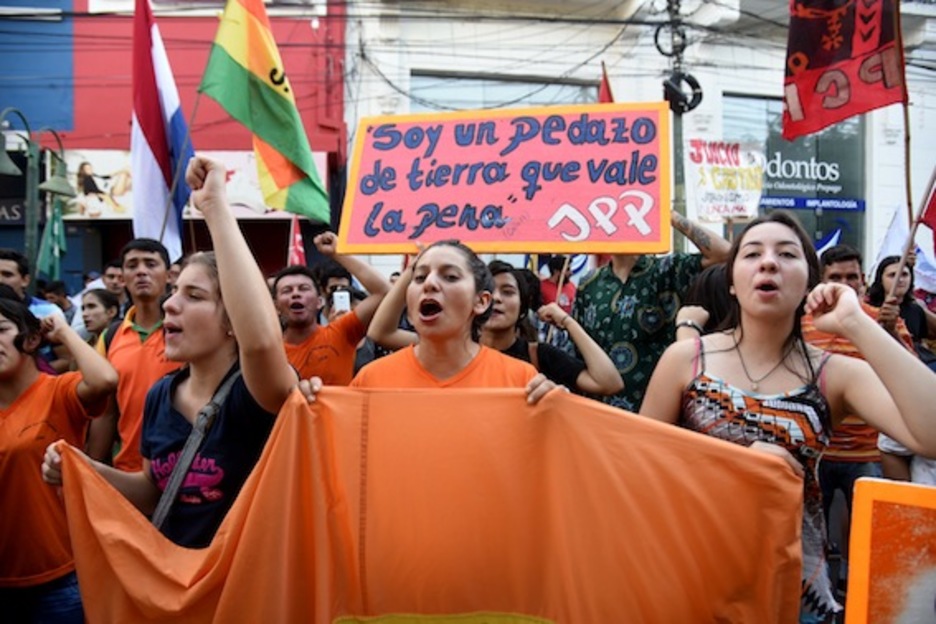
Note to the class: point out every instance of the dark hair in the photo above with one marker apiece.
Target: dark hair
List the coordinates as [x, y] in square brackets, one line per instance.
[839, 253]
[26, 323]
[57, 288]
[116, 263]
[296, 269]
[534, 292]
[107, 298]
[876, 292]
[709, 290]
[22, 264]
[148, 245]
[328, 269]
[812, 261]
[484, 281]
[7, 292]
[555, 264]
[499, 267]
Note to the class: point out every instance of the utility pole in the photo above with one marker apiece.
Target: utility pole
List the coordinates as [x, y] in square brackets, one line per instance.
[683, 93]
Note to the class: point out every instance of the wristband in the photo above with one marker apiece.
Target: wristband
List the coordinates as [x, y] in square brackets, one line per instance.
[690, 324]
[565, 319]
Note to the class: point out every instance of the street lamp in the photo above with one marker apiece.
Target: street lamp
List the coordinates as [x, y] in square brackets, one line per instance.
[57, 184]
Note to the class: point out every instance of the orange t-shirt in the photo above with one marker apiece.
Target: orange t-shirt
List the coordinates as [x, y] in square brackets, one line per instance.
[329, 352]
[34, 543]
[140, 364]
[852, 440]
[489, 369]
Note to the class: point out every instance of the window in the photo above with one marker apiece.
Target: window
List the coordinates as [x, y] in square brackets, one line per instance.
[820, 176]
[434, 93]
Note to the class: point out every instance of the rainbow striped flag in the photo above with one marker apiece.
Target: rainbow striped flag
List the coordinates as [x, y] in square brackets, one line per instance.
[245, 76]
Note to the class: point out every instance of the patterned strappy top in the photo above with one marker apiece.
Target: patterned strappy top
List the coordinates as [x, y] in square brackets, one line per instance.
[800, 422]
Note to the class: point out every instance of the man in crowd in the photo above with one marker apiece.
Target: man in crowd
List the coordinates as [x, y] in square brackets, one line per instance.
[137, 350]
[14, 272]
[628, 306]
[113, 279]
[331, 276]
[325, 351]
[549, 286]
[56, 293]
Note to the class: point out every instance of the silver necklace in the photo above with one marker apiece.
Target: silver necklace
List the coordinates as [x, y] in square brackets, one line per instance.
[755, 382]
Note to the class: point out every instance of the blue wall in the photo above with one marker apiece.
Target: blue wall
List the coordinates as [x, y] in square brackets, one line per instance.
[37, 66]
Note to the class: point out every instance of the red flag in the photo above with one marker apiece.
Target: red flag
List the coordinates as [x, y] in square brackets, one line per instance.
[604, 90]
[929, 213]
[296, 248]
[843, 59]
[928, 218]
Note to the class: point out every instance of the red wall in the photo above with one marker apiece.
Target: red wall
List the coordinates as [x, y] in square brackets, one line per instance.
[314, 61]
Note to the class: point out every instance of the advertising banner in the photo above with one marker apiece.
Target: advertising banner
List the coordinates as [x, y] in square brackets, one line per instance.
[103, 181]
[724, 179]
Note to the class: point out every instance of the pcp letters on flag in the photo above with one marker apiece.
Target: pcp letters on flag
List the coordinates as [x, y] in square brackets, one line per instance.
[843, 59]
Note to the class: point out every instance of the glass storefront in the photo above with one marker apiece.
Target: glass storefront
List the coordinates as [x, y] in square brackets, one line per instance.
[820, 177]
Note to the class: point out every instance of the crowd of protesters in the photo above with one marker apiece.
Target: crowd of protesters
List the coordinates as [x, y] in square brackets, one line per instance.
[708, 341]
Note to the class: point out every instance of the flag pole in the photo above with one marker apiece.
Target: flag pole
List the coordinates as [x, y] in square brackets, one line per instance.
[914, 224]
[907, 185]
[177, 174]
[559, 285]
[906, 116]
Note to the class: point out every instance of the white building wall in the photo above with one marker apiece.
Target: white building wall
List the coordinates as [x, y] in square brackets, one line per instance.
[384, 52]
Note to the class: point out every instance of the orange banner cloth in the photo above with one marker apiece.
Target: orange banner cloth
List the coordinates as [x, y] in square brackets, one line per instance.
[453, 502]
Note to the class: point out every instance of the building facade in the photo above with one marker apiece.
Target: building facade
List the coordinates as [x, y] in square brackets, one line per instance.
[846, 182]
[67, 64]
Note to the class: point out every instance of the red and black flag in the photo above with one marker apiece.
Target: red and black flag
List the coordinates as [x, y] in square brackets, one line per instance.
[844, 57]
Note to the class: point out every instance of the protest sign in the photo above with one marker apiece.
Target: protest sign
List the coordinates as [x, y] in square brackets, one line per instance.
[892, 565]
[724, 179]
[571, 179]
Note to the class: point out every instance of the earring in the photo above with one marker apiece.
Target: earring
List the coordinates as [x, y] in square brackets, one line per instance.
[230, 334]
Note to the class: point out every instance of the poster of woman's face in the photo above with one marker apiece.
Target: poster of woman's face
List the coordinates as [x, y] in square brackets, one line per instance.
[104, 183]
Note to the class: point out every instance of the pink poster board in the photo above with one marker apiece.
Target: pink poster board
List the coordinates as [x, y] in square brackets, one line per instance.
[572, 179]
